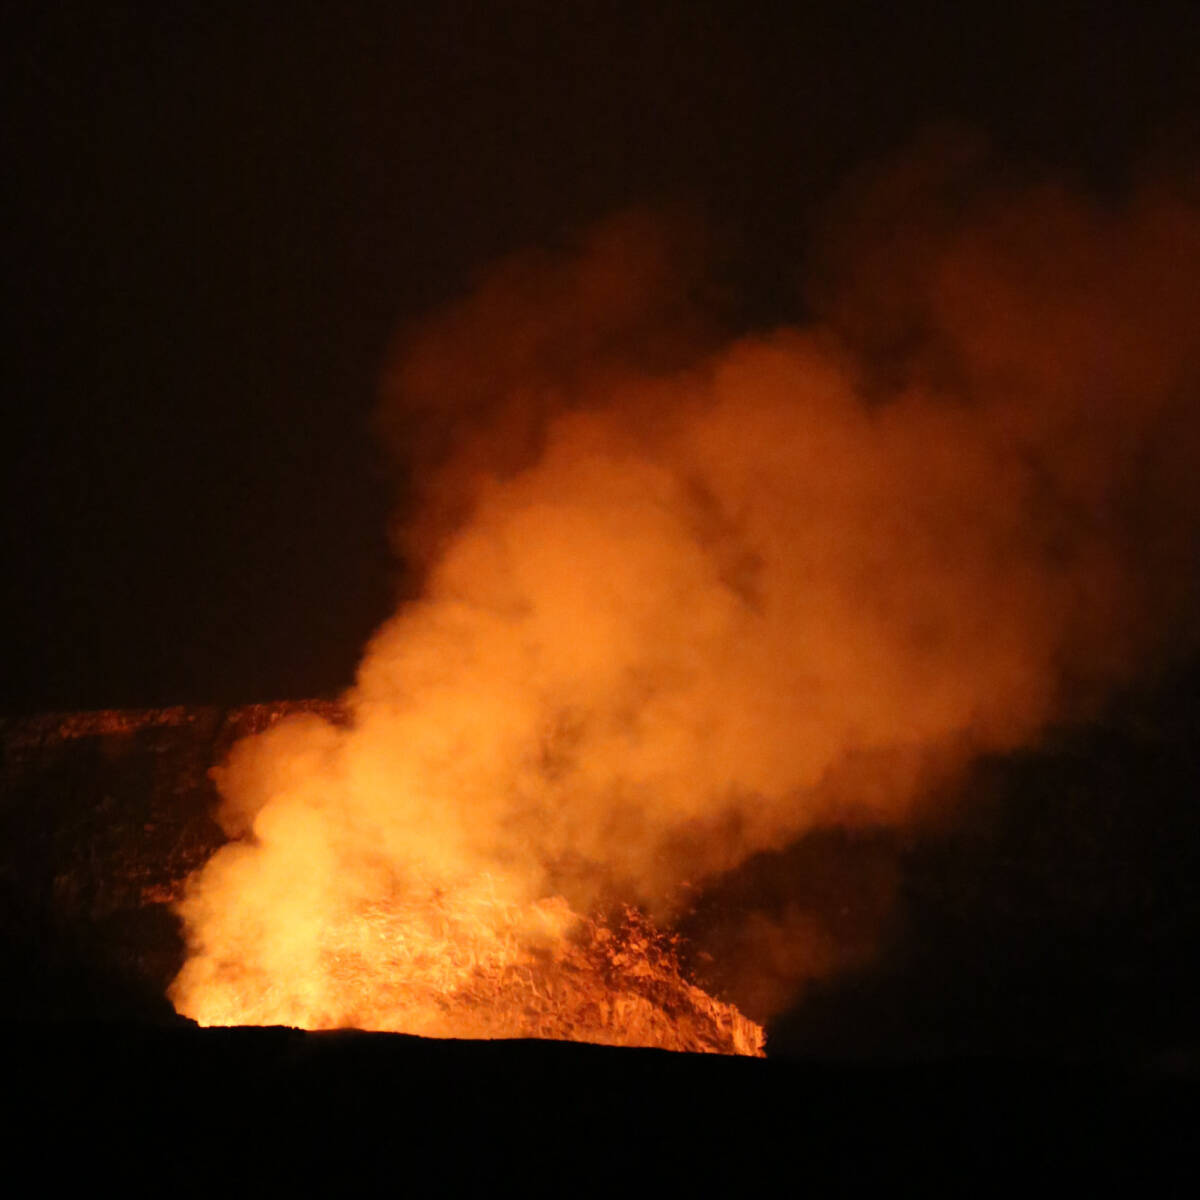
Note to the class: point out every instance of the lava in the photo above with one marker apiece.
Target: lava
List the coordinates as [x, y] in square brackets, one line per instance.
[471, 965]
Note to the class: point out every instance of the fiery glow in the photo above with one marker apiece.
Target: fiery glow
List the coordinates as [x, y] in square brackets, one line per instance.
[470, 964]
[687, 600]
[341, 911]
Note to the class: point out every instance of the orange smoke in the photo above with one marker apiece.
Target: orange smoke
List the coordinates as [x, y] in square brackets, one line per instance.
[685, 600]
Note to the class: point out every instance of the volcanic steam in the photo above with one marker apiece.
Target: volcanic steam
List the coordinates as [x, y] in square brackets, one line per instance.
[687, 596]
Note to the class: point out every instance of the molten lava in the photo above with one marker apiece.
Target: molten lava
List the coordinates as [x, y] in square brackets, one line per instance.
[470, 964]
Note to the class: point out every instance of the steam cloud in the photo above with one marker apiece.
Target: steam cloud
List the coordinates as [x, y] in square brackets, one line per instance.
[687, 597]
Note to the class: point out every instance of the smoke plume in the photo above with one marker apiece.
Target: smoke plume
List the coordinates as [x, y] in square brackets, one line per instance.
[687, 597]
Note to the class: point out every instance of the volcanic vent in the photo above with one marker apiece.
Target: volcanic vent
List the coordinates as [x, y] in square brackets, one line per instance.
[353, 938]
[472, 965]
[123, 804]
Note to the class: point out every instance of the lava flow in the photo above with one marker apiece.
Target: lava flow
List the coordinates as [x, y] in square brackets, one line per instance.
[472, 965]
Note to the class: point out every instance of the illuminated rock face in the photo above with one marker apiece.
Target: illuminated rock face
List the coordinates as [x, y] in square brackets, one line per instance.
[102, 817]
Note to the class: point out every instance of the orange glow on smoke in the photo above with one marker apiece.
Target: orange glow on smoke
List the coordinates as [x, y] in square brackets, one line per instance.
[686, 600]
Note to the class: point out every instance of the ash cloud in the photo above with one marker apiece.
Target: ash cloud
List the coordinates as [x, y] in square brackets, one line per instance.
[688, 597]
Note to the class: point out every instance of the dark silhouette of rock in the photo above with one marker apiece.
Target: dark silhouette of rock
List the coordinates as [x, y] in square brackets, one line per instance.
[103, 815]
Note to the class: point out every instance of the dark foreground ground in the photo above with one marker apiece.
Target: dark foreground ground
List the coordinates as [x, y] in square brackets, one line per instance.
[186, 1109]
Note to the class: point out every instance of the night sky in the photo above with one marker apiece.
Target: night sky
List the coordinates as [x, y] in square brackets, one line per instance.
[224, 213]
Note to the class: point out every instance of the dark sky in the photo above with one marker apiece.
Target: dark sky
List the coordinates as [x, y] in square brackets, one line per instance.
[223, 212]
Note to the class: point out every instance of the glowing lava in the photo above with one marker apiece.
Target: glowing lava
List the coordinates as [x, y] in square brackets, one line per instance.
[471, 964]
